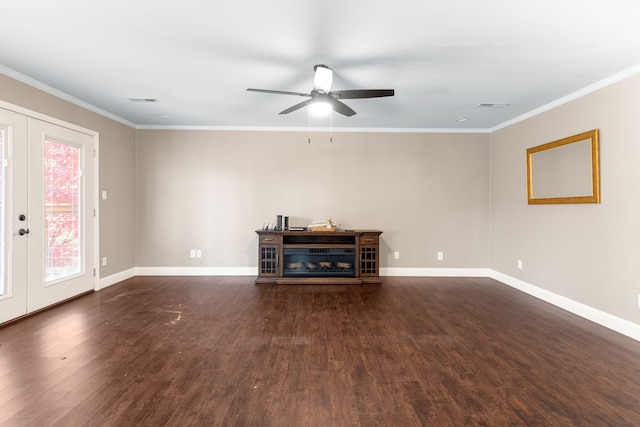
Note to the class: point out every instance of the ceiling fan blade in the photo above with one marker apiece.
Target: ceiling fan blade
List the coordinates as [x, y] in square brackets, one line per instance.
[297, 106]
[341, 108]
[363, 93]
[279, 92]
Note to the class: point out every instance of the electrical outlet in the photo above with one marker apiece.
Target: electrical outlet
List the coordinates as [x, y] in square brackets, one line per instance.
[519, 264]
[396, 255]
[104, 261]
[199, 253]
[193, 253]
[440, 256]
[638, 300]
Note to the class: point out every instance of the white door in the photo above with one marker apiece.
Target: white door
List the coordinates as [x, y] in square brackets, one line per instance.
[47, 214]
[13, 205]
[60, 218]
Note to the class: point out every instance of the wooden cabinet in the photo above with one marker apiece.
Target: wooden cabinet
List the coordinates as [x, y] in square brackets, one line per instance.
[269, 255]
[339, 257]
[369, 255]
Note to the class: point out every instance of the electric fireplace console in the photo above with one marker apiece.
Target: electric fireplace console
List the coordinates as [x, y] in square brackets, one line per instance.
[335, 257]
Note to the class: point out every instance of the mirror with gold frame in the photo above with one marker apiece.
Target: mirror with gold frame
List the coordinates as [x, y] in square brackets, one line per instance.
[564, 171]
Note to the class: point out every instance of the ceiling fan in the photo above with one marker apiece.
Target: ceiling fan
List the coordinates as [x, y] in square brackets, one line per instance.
[322, 96]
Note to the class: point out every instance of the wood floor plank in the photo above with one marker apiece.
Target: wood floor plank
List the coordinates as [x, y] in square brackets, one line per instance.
[222, 351]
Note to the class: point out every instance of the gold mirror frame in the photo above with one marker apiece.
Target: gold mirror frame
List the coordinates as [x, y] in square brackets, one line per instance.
[594, 167]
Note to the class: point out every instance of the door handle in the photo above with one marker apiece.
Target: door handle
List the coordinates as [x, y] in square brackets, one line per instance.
[23, 231]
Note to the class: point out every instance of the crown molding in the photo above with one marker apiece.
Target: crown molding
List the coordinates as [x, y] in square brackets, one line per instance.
[64, 96]
[571, 97]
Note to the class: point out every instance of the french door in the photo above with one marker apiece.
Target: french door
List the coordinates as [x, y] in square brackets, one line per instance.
[13, 197]
[46, 214]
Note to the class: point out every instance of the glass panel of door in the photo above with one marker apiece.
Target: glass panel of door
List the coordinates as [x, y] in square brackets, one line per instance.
[62, 210]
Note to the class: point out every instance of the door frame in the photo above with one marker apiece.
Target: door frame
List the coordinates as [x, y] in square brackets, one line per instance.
[96, 175]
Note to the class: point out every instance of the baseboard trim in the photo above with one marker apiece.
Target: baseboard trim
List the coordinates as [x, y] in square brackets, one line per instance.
[196, 271]
[435, 272]
[253, 271]
[105, 282]
[602, 318]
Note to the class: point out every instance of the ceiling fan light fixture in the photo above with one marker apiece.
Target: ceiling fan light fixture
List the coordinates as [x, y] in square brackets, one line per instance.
[320, 108]
[323, 78]
[321, 100]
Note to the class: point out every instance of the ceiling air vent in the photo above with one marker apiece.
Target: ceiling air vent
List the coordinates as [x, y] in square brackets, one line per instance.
[143, 100]
[493, 105]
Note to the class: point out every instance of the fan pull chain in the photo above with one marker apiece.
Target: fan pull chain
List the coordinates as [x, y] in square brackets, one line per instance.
[331, 127]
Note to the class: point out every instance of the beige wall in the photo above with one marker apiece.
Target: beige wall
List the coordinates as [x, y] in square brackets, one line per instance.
[117, 168]
[587, 253]
[211, 190]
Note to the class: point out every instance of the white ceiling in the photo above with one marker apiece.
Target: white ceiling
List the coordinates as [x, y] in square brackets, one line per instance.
[198, 57]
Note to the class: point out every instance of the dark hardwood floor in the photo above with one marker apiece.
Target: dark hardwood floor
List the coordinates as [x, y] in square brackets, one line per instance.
[216, 351]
